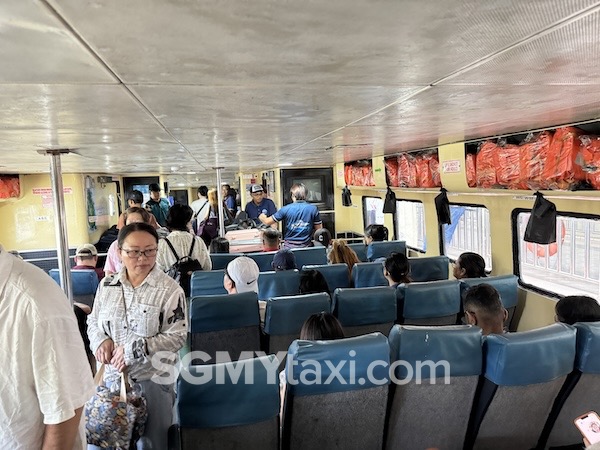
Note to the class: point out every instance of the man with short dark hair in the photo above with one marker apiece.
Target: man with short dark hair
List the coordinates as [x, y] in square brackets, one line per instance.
[135, 199]
[271, 238]
[484, 309]
[86, 258]
[200, 205]
[159, 207]
[229, 197]
[259, 204]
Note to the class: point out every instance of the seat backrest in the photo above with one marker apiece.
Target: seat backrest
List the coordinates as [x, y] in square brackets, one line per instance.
[507, 287]
[220, 260]
[360, 249]
[368, 274]
[383, 249]
[365, 310]
[429, 268]
[343, 404]
[263, 260]
[523, 374]
[431, 303]
[285, 316]
[227, 406]
[278, 284]
[207, 282]
[85, 283]
[336, 275]
[439, 372]
[310, 255]
[228, 323]
[581, 391]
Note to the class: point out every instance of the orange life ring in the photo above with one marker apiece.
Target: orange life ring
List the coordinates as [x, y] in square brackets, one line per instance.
[541, 249]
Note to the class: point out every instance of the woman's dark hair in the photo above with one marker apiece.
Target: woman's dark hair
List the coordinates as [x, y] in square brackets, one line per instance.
[398, 267]
[136, 197]
[473, 264]
[376, 232]
[203, 191]
[132, 227]
[312, 282]
[219, 245]
[179, 216]
[322, 326]
[577, 308]
[137, 210]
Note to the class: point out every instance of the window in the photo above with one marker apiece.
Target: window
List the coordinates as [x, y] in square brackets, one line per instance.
[567, 267]
[468, 232]
[372, 210]
[410, 224]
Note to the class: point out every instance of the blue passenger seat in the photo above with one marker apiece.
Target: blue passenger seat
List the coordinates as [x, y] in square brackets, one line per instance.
[207, 282]
[336, 275]
[220, 260]
[440, 371]
[523, 374]
[310, 255]
[228, 323]
[227, 412]
[431, 303]
[278, 284]
[365, 310]
[383, 249]
[343, 404]
[85, 284]
[507, 287]
[361, 250]
[263, 260]
[368, 274]
[430, 268]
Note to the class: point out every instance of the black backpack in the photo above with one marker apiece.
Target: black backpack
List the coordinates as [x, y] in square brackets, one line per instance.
[182, 270]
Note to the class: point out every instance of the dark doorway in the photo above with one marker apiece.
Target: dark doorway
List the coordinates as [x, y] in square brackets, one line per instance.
[179, 196]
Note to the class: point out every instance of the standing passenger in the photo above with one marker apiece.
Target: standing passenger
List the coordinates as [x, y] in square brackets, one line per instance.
[159, 207]
[137, 314]
[259, 204]
[135, 200]
[301, 219]
[45, 376]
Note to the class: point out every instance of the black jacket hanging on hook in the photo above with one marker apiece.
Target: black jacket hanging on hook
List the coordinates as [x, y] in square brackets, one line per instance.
[389, 204]
[346, 197]
[442, 207]
[541, 227]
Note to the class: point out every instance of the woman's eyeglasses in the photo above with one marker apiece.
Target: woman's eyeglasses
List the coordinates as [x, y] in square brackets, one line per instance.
[148, 253]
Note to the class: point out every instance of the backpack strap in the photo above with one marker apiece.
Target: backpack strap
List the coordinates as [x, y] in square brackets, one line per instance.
[192, 247]
[173, 248]
[201, 208]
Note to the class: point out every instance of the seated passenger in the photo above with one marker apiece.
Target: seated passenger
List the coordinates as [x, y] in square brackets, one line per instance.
[469, 265]
[577, 308]
[312, 282]
[219, 245]
[396, 269]
[374, 233]
[341, 253]
[322, 237]
[284, 259]
[241, 275]
[271, 239]
[134, 214]
[86, 257]
[484, 309]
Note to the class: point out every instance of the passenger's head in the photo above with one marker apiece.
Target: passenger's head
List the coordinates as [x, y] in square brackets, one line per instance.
[136, 214]
[241, 275]
[312, 282]
[135, 198]
[323, 237]
[225, 189]
[138, 244]
[86, 255]
[179, 217]
[321, 327]
[375, 233]
[257, 193]
[298, 192]
[219, 245]
[577, 308]
[284, 259]
[202, 191]
[154, 189]
[270, 239]
[396, 268]
[213, 198]
[483, 308]
[469, 265]
[341, 253]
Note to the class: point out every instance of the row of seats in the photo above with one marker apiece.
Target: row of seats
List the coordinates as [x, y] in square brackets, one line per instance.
[85, 283]
[511, 391]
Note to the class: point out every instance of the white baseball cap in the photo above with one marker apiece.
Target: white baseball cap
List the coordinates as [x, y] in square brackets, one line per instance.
[244, 271]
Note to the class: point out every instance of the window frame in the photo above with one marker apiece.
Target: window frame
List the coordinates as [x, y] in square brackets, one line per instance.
[396, 225]
[364, 207]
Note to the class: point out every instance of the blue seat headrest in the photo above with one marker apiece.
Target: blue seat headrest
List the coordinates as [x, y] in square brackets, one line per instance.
[365, 306]
[431, 268]
[84, 281]
[336, 275]
[362, 361]
[382, 249]
[530, 357]
[228, 394]
[310, 255]
[207, 282]
[286, 315]
[459, 345]
[368, 275]
[431, 299]
[223, 312]
[220, 260]
[278, 284]
[506, 285]
[588, 347]
[263, 260]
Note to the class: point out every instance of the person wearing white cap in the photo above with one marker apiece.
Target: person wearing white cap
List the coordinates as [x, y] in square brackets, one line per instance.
[86, 257]
[241, 275]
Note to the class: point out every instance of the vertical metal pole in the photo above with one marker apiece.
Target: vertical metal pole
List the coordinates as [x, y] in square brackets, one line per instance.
[220, 202]
[60, 222]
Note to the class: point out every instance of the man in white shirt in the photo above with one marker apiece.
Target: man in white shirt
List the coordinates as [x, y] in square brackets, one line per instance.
[45, 377]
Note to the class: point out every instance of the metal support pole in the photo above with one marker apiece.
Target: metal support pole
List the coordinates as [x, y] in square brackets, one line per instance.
[60, 222]
[220, 202]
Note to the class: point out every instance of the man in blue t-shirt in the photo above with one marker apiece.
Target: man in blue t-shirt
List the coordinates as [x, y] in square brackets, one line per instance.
[259, 204]
[301, 219]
